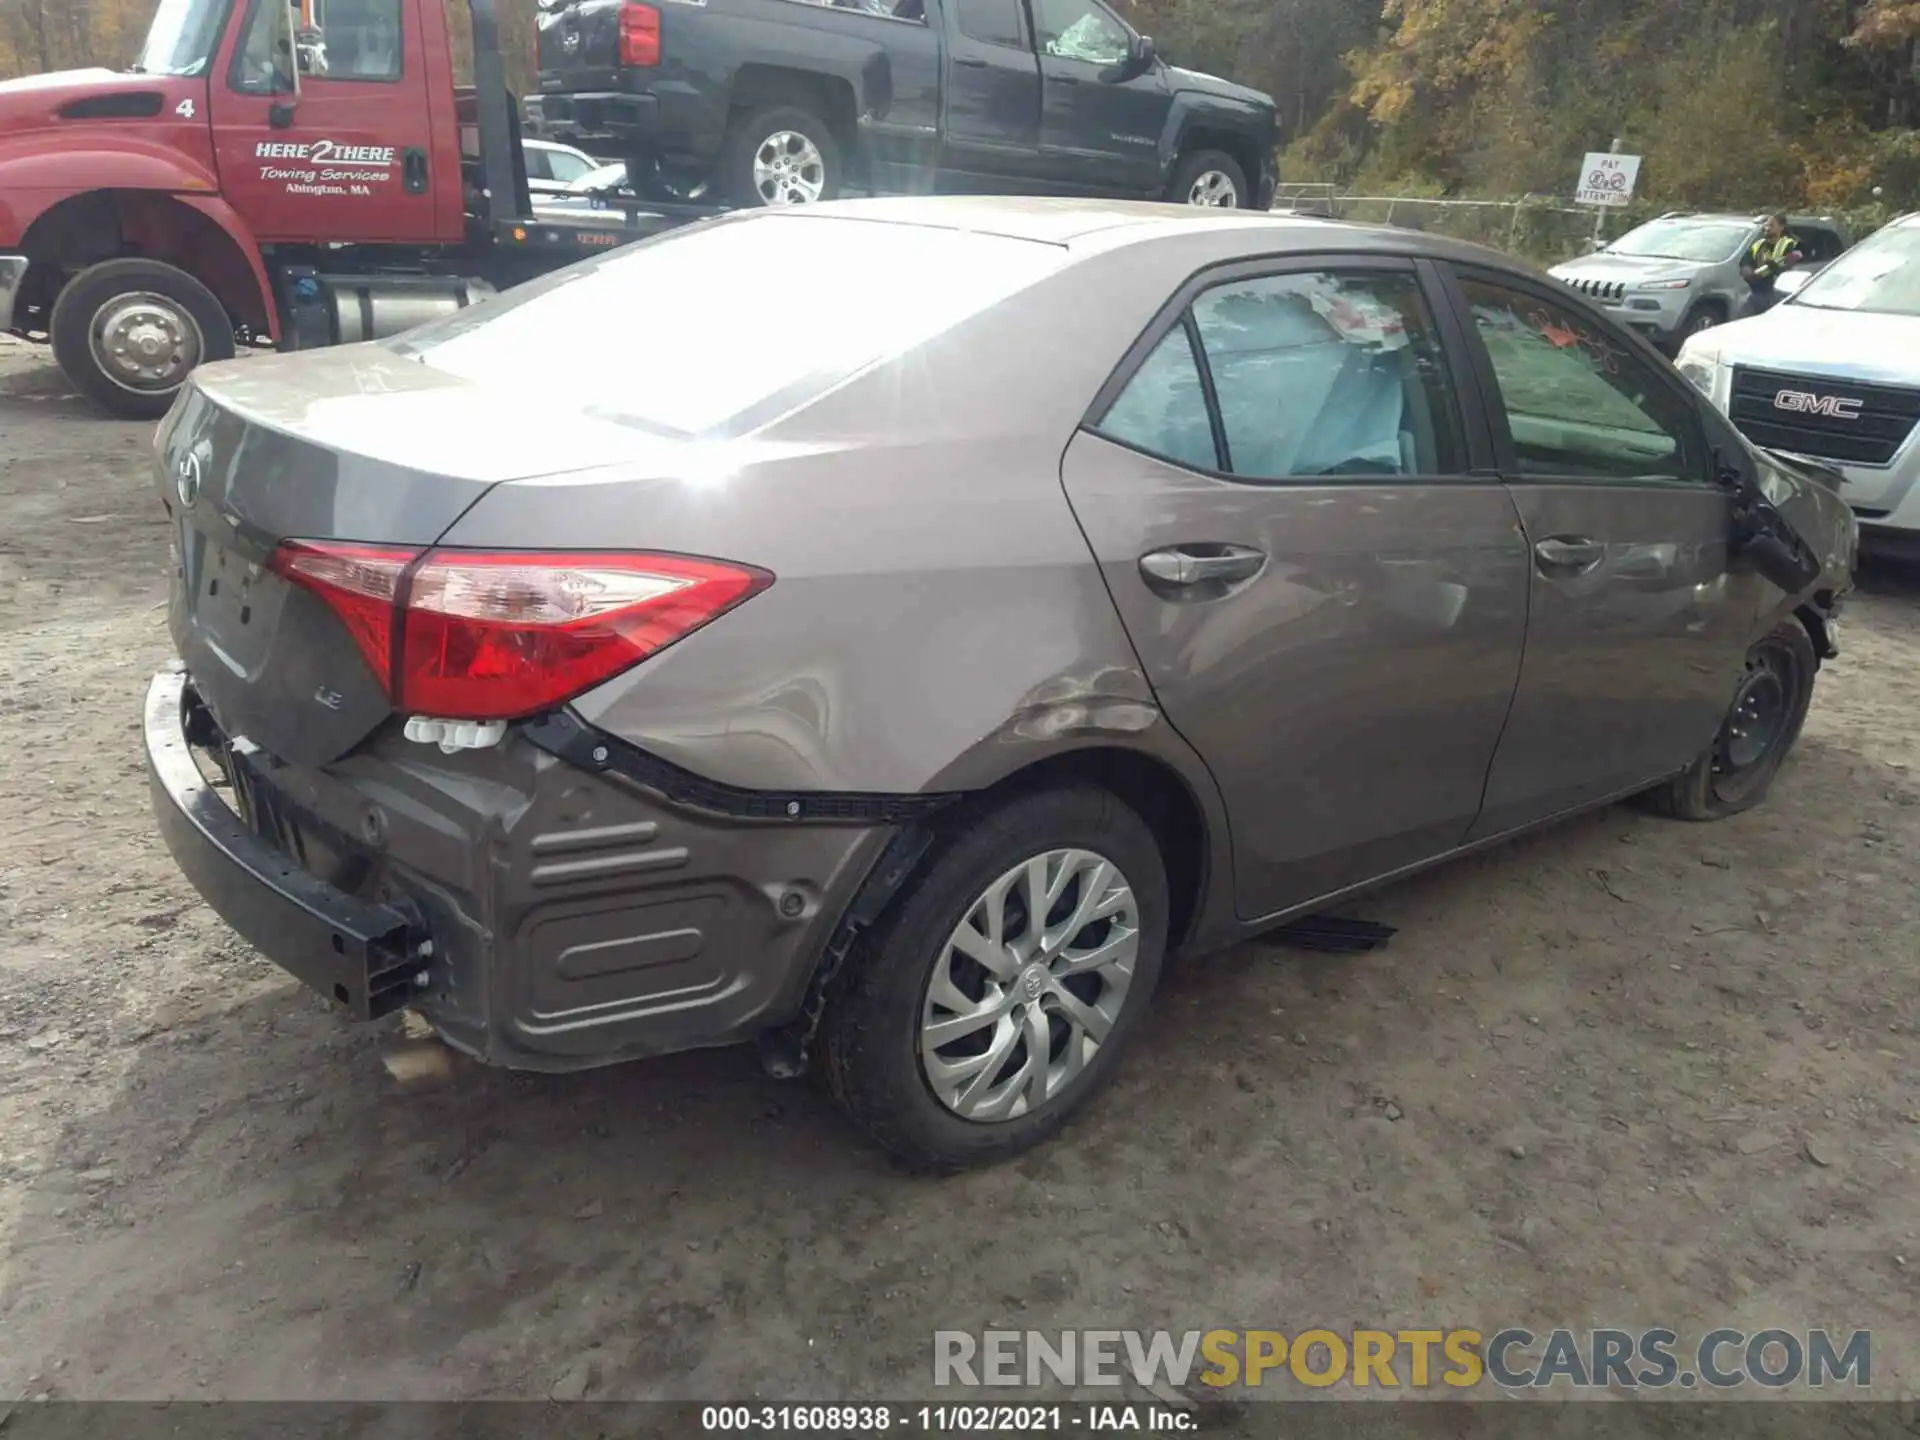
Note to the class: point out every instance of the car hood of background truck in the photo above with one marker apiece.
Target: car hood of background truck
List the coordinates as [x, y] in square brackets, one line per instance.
[1807, 340]
[1199, 80]
[39, 93]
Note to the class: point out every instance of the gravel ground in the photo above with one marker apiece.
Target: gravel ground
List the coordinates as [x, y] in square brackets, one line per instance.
[1627, 1072]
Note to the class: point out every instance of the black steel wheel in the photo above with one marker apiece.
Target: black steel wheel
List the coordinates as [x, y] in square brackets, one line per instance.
[1761, 726]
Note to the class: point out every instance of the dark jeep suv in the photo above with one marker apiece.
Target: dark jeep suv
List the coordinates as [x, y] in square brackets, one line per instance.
[779, 102]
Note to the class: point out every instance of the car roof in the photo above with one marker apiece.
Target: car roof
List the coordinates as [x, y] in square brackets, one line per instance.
[1110, 224]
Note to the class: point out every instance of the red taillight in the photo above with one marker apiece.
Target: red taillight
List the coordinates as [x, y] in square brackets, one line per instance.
[639, 34]
[493, 635]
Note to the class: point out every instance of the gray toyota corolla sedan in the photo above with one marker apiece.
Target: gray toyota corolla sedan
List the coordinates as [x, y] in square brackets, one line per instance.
[901, 669]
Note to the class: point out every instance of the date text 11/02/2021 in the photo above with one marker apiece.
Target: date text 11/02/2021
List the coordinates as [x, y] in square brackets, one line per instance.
[881, 1419]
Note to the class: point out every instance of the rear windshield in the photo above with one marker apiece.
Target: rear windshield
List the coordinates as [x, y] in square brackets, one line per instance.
[736, 322]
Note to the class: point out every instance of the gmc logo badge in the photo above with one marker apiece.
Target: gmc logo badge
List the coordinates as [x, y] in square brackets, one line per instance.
[1800, 402]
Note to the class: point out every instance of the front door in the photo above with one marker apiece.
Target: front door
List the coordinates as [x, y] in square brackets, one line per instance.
[1108, 129]
[993, 90]
[345, 159]
[1324, 580]
[1639, 626]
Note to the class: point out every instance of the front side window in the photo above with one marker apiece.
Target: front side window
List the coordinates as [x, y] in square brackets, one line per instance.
[993, 22]
[1579, 404]
[1315, 375]
[350, 40]
[1080, 30]
[362, 39]
[263, 65]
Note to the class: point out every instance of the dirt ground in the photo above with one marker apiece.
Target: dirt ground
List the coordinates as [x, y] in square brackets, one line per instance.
[1643, 1073]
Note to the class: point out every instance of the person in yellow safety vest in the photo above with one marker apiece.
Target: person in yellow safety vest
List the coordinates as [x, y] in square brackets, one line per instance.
[1775, 251]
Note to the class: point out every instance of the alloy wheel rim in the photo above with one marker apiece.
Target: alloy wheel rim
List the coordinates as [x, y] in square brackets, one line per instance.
[788, 169]
[145, 343]
[1017, 1008]
[1214, 189]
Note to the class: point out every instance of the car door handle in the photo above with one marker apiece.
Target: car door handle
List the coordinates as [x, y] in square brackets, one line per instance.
[970, 62]
[1182, 566]
[1568, 554]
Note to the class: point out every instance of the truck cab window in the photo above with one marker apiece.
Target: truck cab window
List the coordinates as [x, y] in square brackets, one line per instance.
[263, 65]
[992, 22]
[363, 39]
[1080, 30]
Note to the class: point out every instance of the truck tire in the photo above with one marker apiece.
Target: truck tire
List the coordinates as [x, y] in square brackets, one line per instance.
[126, 332]
[781, 155]
[1211, 179]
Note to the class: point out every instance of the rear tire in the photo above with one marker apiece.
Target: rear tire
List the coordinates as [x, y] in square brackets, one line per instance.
[1761, 727]
[782, 155]
[1210, 173]
[128, 332]
[909, 977]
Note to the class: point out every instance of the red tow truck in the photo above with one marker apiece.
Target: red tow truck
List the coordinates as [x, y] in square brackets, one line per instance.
[269, 174]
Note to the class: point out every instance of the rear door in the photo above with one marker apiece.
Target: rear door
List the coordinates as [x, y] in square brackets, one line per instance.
[1325, 581]
[992, 90]
[1639, 626]
[1097, 131]
[347, 158]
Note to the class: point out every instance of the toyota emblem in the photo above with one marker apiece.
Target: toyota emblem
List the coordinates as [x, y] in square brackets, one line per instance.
[186, 479]
[570, 41]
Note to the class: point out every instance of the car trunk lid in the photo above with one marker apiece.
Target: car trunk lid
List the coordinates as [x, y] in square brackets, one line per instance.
[356, 445]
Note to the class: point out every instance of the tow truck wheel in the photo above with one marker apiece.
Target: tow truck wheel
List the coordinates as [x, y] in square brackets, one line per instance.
[128, 331]
[782, 155]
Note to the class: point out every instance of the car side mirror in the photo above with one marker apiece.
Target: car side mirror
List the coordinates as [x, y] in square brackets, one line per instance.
[1792, 282]
[1139, 60]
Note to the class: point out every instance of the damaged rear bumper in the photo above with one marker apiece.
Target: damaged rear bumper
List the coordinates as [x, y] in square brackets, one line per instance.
[541, 916]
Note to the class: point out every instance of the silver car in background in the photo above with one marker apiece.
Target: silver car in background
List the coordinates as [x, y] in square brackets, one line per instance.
[901, 674]
[1676, 276]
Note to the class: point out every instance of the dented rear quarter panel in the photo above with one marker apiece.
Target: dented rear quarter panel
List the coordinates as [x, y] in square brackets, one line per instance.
[938, 622]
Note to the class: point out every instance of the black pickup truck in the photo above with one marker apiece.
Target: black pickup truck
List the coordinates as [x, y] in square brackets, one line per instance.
[776, 102]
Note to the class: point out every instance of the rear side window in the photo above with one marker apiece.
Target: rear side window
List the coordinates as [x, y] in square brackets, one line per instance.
[1313, 375]
[668, 334]
[1163, 410]
[995, 22]
[537, 166]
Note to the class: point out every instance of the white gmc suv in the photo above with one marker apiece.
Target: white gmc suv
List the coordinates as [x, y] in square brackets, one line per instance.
[1832, 373]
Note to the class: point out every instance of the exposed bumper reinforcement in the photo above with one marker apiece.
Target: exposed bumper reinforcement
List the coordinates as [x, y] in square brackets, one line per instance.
[366, 957]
